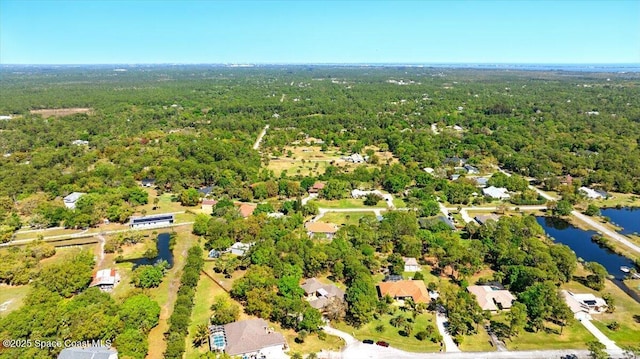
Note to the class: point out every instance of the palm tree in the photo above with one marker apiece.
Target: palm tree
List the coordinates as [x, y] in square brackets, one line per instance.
[201, 335]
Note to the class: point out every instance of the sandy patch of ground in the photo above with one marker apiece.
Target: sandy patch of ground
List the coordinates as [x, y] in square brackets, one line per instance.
[60, 112]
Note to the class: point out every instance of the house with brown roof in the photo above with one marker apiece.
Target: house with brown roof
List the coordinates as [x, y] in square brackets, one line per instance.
[321, 228]
[246, 209]
[247, 338]
[403, 289]
[319, 294]
[316, 187]
[492, 297]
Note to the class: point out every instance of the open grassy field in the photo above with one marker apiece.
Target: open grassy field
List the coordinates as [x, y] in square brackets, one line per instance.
[206, 291]
[392, 334]
[621, 199]
[346, 218]
[347, 203]
[11, 297]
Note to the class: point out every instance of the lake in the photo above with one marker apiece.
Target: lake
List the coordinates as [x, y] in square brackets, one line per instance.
[580, 242]
[627, 217]
[164, 253]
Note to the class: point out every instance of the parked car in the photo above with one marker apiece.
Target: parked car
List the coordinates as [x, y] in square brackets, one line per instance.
[368, 341]
[382, 344]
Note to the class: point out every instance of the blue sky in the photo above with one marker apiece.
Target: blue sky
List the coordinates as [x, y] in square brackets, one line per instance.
[102, 32]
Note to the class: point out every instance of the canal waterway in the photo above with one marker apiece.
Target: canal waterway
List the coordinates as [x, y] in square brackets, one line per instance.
[580, 242]
[627, 217]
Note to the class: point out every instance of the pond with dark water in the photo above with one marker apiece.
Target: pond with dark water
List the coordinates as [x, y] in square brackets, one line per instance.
[626, 217]
[164, 252]
[580, 242]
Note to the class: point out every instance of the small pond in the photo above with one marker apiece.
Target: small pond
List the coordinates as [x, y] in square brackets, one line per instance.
[580, 242]
[164, 253]
[627, 217]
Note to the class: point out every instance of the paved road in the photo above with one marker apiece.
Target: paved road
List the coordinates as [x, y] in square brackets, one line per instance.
[259, 139]
[493, 208]
[602, 229]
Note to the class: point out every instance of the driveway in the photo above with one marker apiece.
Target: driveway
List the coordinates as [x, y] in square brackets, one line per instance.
[449, 345]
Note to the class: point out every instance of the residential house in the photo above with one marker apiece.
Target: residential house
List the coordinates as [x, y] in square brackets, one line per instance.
[323, 228]
[252, 338]
[471, 170]
[583, 305]
[93, 352]
[357, 193]
[106, 279]
[240, 248]
[214, 254]
[275, 215]
[205, 191]
[319, 294]
[148, 182]
[566, 180]
[492, 297]
[80, 142]
[481, 181]
[483, 218]
[246, 209]
[495, 192]
[403, 289]
[454, 177]
[70, 200]
[591, 193]
[316, 187]
[411, 264]
[207, 205]
[5, 117]
[426, 223]
[356, 158]
[392, 278]
[454, 161]
[159, 220]
[429, 170]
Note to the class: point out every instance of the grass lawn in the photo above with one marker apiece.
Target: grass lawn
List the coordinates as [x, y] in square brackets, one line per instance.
[391, 334]
[574, 336]
[346, 218]
[347, 203]
[296, 167]
[623, 199]
[477, 343]
[11, 297]
[312, 344]
[633, 284]
[206, 291]
[398, 202]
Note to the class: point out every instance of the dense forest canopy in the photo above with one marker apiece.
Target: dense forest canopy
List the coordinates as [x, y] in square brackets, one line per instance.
[190, 126]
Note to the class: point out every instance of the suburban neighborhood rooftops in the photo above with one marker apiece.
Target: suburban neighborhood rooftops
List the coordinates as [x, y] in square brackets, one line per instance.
[248, 336]
[321, 227]
[491, 297]
[410, 261]
[88, 353]
[405, 288]
[209, 202]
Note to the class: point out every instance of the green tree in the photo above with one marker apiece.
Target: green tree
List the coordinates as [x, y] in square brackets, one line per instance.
[597, 350]
[517, 318]
[139, 312]
[189, 197]
[563, 208]
[132, 344]
[147, 276]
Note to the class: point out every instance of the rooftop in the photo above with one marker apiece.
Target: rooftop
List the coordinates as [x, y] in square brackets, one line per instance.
[248, 336]
[491, 297]
[405, 288]
[321, 227]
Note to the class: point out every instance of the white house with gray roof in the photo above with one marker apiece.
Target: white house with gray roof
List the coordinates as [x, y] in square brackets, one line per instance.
[71, 199]
[88, 353]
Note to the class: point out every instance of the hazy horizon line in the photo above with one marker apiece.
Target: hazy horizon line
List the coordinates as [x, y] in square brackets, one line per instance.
[328, 63]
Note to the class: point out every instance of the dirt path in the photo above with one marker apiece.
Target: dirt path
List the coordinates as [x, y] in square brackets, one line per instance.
[157, 344]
